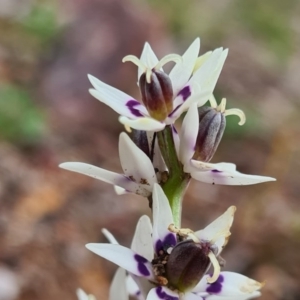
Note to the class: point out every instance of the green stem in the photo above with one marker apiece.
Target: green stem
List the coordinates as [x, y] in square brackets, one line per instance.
[178, 181]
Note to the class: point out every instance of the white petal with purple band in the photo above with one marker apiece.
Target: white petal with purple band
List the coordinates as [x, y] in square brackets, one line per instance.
[119, 101]
[230, 284]
[106, 176]
[124, 257]
[162, 218]
[162, 293]
[142, 239]
[218, 174]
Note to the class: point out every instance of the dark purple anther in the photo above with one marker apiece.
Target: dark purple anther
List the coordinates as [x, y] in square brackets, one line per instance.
[157, 95]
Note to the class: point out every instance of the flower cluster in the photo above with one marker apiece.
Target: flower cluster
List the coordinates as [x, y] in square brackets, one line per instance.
[166, 261]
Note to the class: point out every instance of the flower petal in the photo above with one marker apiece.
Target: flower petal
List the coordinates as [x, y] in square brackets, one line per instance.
[142, 239]
[120, 102]
[182, 71]
[132, 287]
[118, 288]
[146, 124]
[162, 218]
[231, 285]
[188, 134]
[207, 75]
[200, 97]
[228, 177]
[106, 176]
[123, 257]
[148, 58]
[218, 231]
[135, 163]
[162, 293]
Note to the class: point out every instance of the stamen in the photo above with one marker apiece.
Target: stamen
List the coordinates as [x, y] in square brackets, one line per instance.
[135, 60]
[127, 128]
[237, 112]
[227, 112]
[213, 102]
[148, 75]
[222, 106]
[170, 57]
[184, 232]
[216, 266]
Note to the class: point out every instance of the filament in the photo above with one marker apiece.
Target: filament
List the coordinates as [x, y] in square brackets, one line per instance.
[216, 266]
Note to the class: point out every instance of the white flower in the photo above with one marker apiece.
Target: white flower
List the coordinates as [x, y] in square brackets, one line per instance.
[146, 257]
[220, 173]
[193, 81]
[139, 175]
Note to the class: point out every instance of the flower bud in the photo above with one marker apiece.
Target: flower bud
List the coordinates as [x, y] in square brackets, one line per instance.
[212, 124]
[157, 94]
[140, 138]
[187, 264]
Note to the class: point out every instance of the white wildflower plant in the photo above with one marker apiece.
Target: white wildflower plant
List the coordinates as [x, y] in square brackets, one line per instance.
[154, 252]
[165, 261]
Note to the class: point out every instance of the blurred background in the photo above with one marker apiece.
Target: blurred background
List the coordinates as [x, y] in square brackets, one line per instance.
[47, 215]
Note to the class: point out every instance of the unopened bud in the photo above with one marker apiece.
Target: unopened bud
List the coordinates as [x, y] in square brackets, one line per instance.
[157, 94]
[212, 124]
[140, 138]
[187, 264]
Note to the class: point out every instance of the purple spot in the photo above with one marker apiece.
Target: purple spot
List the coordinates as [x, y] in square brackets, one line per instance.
[141, 265]
[216, 171]
[216, 287]
[163, 295]
[167, 242]
[185, 93]
[131, 104]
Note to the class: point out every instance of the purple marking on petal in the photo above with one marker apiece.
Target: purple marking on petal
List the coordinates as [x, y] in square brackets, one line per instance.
[185, 93]
[216, 171]
[131, 105]
[163, 295]
[174, 110]
[166, 243]
[141, 265]
[216, 287]
[174, 129]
